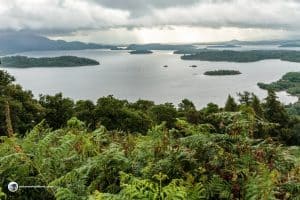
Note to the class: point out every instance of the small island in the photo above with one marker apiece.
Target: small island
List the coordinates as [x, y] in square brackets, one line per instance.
[165, 66]
[193, 66]
[141, 52]
[222, 72]
[62, 61]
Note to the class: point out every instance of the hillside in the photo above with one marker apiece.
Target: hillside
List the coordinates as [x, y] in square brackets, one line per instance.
[14, 42]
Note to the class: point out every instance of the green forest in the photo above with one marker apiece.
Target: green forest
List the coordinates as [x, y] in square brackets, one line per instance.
[116, 149]
[61, 61]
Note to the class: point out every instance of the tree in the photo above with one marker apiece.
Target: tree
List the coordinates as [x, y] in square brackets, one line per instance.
[211, 108]
[142, 105]
[5, 79]
[164, 113]
[256, 105]
[18, 107]
[274, 111]
[116, 114]
[58, 109]
[186, 105]
[85, 111]
[231, 105]
[245, 98]
[108, 112]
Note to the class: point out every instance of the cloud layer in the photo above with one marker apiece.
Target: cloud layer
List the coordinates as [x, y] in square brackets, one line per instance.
[69, 16]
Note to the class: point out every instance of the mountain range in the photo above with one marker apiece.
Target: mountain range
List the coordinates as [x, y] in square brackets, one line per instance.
[15, 42]
[18, 41]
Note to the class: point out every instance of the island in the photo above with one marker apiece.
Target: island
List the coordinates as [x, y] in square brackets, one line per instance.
[243, 56]
[290, 82]
[165, 66]
[61, 61]
[141, 52]
[193, 66]
[222, 72]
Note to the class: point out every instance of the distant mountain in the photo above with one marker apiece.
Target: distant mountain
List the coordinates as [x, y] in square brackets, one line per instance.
[14, 42]
[291, 44]
[260, 42]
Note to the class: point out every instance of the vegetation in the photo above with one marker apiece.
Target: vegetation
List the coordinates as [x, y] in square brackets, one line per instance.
[116, 149]
[243, 56]
[62, 61]
[290, 82]
[222, 72]
[141, 52]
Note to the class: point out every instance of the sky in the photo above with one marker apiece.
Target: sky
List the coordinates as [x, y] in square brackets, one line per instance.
[150, 21]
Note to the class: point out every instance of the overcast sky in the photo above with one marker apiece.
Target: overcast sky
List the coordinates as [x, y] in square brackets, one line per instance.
[145, 21]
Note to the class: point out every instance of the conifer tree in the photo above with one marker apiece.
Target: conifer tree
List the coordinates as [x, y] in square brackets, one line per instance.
[230, 105]
[256, 105]
[245, 98]
[274, 111]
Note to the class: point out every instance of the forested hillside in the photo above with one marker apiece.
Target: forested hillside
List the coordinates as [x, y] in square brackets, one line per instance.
[115, 149]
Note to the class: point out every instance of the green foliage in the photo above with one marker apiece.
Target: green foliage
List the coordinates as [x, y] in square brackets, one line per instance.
[274, 110]
[85, 111]
[110, 165]
[230, 105]
[257, 107]
[245, 98]
[58, 110]
[5, 78]
[117, 114]
[211, 108]
[24, 111]
[164, 113]
[186, 105]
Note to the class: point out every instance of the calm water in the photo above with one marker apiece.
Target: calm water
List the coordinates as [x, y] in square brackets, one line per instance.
[143, 76]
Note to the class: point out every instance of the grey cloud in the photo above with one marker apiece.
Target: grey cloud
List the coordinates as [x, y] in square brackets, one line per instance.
[67, 16]
[143, 7]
